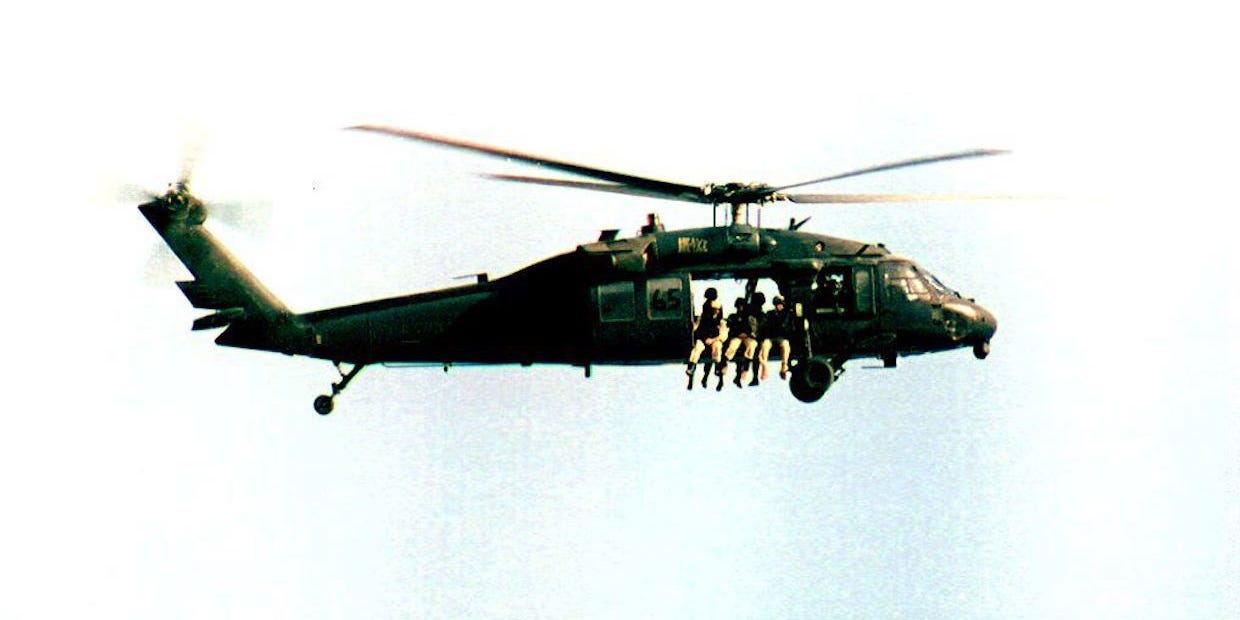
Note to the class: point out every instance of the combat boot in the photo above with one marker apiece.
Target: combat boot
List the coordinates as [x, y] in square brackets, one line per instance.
[706, 372]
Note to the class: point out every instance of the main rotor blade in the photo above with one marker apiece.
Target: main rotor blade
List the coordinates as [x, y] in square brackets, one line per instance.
[652, 187]
[598, 187]
[884, 198]
[918, 161]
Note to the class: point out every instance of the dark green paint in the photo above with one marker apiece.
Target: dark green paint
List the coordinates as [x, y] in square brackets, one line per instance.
[571, 308]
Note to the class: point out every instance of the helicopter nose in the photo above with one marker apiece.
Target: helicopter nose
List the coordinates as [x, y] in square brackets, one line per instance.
[970, 324]
[984, 327]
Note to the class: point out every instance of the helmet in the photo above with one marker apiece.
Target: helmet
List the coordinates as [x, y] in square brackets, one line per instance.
[711, 293]
[778, 300]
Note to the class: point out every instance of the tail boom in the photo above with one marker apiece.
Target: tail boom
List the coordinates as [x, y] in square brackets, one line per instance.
[252, 316]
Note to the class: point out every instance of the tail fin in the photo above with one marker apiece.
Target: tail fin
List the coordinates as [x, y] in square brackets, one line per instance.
[253, 317]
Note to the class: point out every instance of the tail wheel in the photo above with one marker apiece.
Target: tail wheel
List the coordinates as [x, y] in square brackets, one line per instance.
[323, 404]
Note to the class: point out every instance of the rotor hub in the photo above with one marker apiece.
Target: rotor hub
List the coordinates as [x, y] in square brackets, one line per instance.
[737, 193]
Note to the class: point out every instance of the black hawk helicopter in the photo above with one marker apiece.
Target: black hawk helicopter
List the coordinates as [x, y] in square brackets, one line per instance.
[611, 301]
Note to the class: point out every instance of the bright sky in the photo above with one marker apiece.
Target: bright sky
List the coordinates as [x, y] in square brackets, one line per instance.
[1089, 468]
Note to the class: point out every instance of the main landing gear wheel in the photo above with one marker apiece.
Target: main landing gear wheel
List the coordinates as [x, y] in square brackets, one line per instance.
[811, 379]
[324, 404]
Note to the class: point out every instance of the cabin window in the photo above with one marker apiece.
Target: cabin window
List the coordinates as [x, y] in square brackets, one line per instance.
[616, 302]
[665, 298]
[864, 289]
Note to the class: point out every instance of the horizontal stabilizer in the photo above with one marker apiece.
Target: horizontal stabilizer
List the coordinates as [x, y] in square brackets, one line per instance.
[205, 296]
[222, 318]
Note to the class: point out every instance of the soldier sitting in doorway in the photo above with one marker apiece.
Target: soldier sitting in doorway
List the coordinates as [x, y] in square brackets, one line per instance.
[742, 336]
[777, 329]
[757, 319]
[709, 334]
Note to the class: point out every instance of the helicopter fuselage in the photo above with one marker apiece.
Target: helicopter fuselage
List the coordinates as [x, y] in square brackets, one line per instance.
[628, 301]
[613, 301]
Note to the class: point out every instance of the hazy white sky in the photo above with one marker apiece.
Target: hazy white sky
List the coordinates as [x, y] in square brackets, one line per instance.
[1089, 468]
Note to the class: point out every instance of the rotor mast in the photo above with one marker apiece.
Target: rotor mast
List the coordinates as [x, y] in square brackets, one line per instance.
[738, 212]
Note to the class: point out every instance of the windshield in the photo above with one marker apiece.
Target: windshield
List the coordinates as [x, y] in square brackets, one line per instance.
[938, 286]
[913, 281]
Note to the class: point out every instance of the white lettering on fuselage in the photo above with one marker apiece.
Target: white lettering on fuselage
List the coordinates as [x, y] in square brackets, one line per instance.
[691, 245]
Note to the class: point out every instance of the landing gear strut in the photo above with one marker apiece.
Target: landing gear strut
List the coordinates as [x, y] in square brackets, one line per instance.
[324, 404]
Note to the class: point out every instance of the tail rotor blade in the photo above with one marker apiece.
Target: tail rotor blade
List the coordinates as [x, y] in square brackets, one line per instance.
[250, 216]
[191, 153]
[129, 193]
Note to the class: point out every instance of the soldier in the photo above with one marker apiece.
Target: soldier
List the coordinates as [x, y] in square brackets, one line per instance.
[758, 319]
[776, 331]
[827, 294]
[711, 296]
[742, 327]
[709, 333]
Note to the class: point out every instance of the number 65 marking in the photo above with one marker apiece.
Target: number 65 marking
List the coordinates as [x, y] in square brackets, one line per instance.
[665, 301]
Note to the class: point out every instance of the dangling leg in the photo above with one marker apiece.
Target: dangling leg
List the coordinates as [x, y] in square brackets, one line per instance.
[764, 354]
[696, 352]
[785, 352]
[751, 349]
[728, 354]
[716, 355]
[691, 365]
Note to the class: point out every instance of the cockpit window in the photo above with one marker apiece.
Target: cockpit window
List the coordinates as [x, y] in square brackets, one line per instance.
[938, 287]
[912, 282]
[903, 271]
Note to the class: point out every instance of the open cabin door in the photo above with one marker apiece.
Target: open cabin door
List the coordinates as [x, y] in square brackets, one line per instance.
[844, 308]
[844, 292]
[642, 321]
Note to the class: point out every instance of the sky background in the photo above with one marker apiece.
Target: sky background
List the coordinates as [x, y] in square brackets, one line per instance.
[1089, 468]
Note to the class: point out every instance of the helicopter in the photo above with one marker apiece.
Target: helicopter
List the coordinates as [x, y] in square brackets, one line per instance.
[612, 301]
